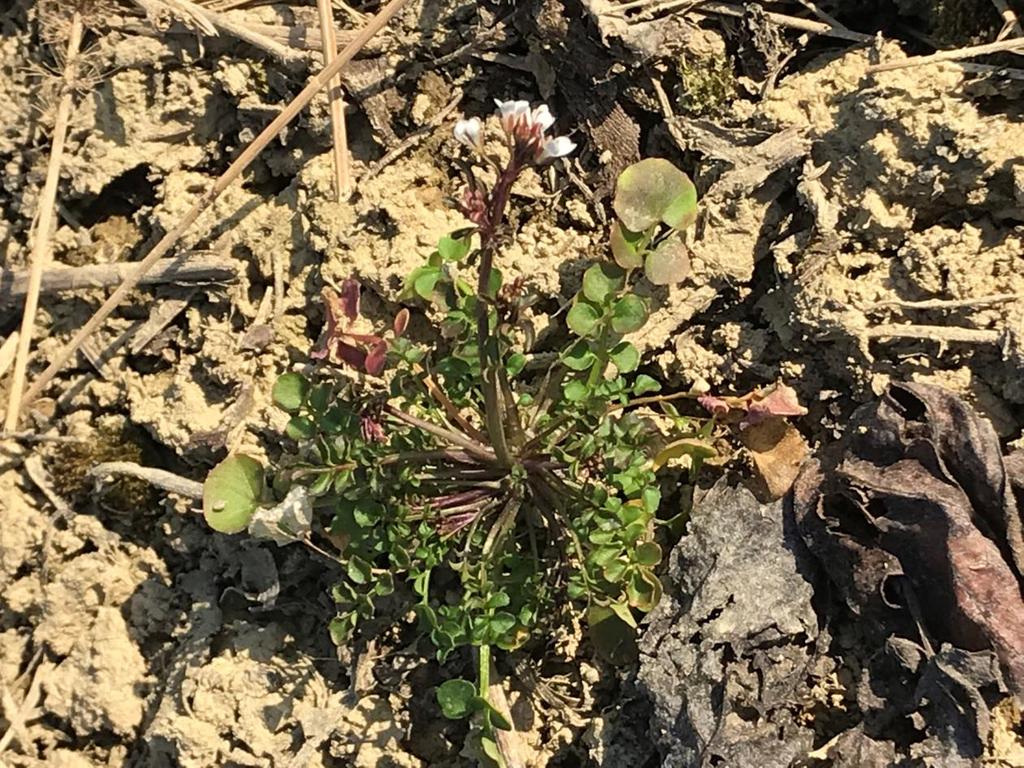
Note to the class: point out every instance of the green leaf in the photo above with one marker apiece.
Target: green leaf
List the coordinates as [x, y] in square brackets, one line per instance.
[643, 590]
[648, 553]
[456, 698]
[626, 246]
[319, 398]
[669, 263]
[423, 280]
[629, 314]
[601, 281]
[497, 600]
[322, 483]
[683, 210]
[359, 571]
[625, 356]
[501, 623]
[367, 513]
[614, 570]
[579, 357]
[654, 190]
[231, 493]
[494, 282]
[604, 555]
[623, 612]
[515, 364]
[582, 318]
[399, 557]
[651, 500]
[645, 384]
[454, 248]
[498, 720]
[575, 391]
[385, 584]
[300, 428]
[688, 446]
[341, 627]
[490, 748]
[289, 392]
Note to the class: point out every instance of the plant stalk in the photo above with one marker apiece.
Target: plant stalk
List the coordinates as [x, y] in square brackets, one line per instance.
[455, 438]
[47, 205]
[487, 345]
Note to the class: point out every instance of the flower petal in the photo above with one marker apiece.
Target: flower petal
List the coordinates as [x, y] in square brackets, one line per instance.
[468, 132]
[542, 116]
[558, 147]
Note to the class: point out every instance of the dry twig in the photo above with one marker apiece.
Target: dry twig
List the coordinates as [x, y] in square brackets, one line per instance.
[339, 133]
[7, 351]
[211, 22]
[244, 160]
[205, 269]
[954, 55]
[45, 222]
[1011, 24]
[738, 11]
[943, 334]
[997, 298]
[160, 478]
[18, 715]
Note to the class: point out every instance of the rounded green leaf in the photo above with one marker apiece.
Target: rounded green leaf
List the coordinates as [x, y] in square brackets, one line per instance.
[601, 281]
[359, 571]
[456, 698]
[683, 211]
[232, 492]
[515, 363]
[648, 553]
[300, 428]
[625, 246]
[643, 590]
[579, 357]
[575, 391]
[454, 248]
[645, 384]
[319, 398]
[629, 314]
[423, 280]
[289, 392]
[669, 263]
[582, 318]
[625, 356]
[654, 190]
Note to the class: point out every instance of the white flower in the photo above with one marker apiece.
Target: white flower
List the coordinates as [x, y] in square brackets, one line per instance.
[557, 147]
[527, 129]
[469, 132]
[543, 117]
[512, 114]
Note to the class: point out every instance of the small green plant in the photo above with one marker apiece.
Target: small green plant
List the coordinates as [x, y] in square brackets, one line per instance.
[506, 489]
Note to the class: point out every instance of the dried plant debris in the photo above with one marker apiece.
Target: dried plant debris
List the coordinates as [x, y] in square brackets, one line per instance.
[726, 656]
[913, 520]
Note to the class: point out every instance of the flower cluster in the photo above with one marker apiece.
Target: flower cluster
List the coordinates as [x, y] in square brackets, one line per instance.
[526, 130]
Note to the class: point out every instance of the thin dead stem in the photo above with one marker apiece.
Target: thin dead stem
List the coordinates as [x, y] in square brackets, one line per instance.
[954, 55]
[316, 84]
[7, 352]
[45, 224]
[339, 132]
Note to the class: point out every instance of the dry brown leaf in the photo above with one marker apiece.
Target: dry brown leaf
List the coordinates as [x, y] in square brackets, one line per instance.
[778, 451]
